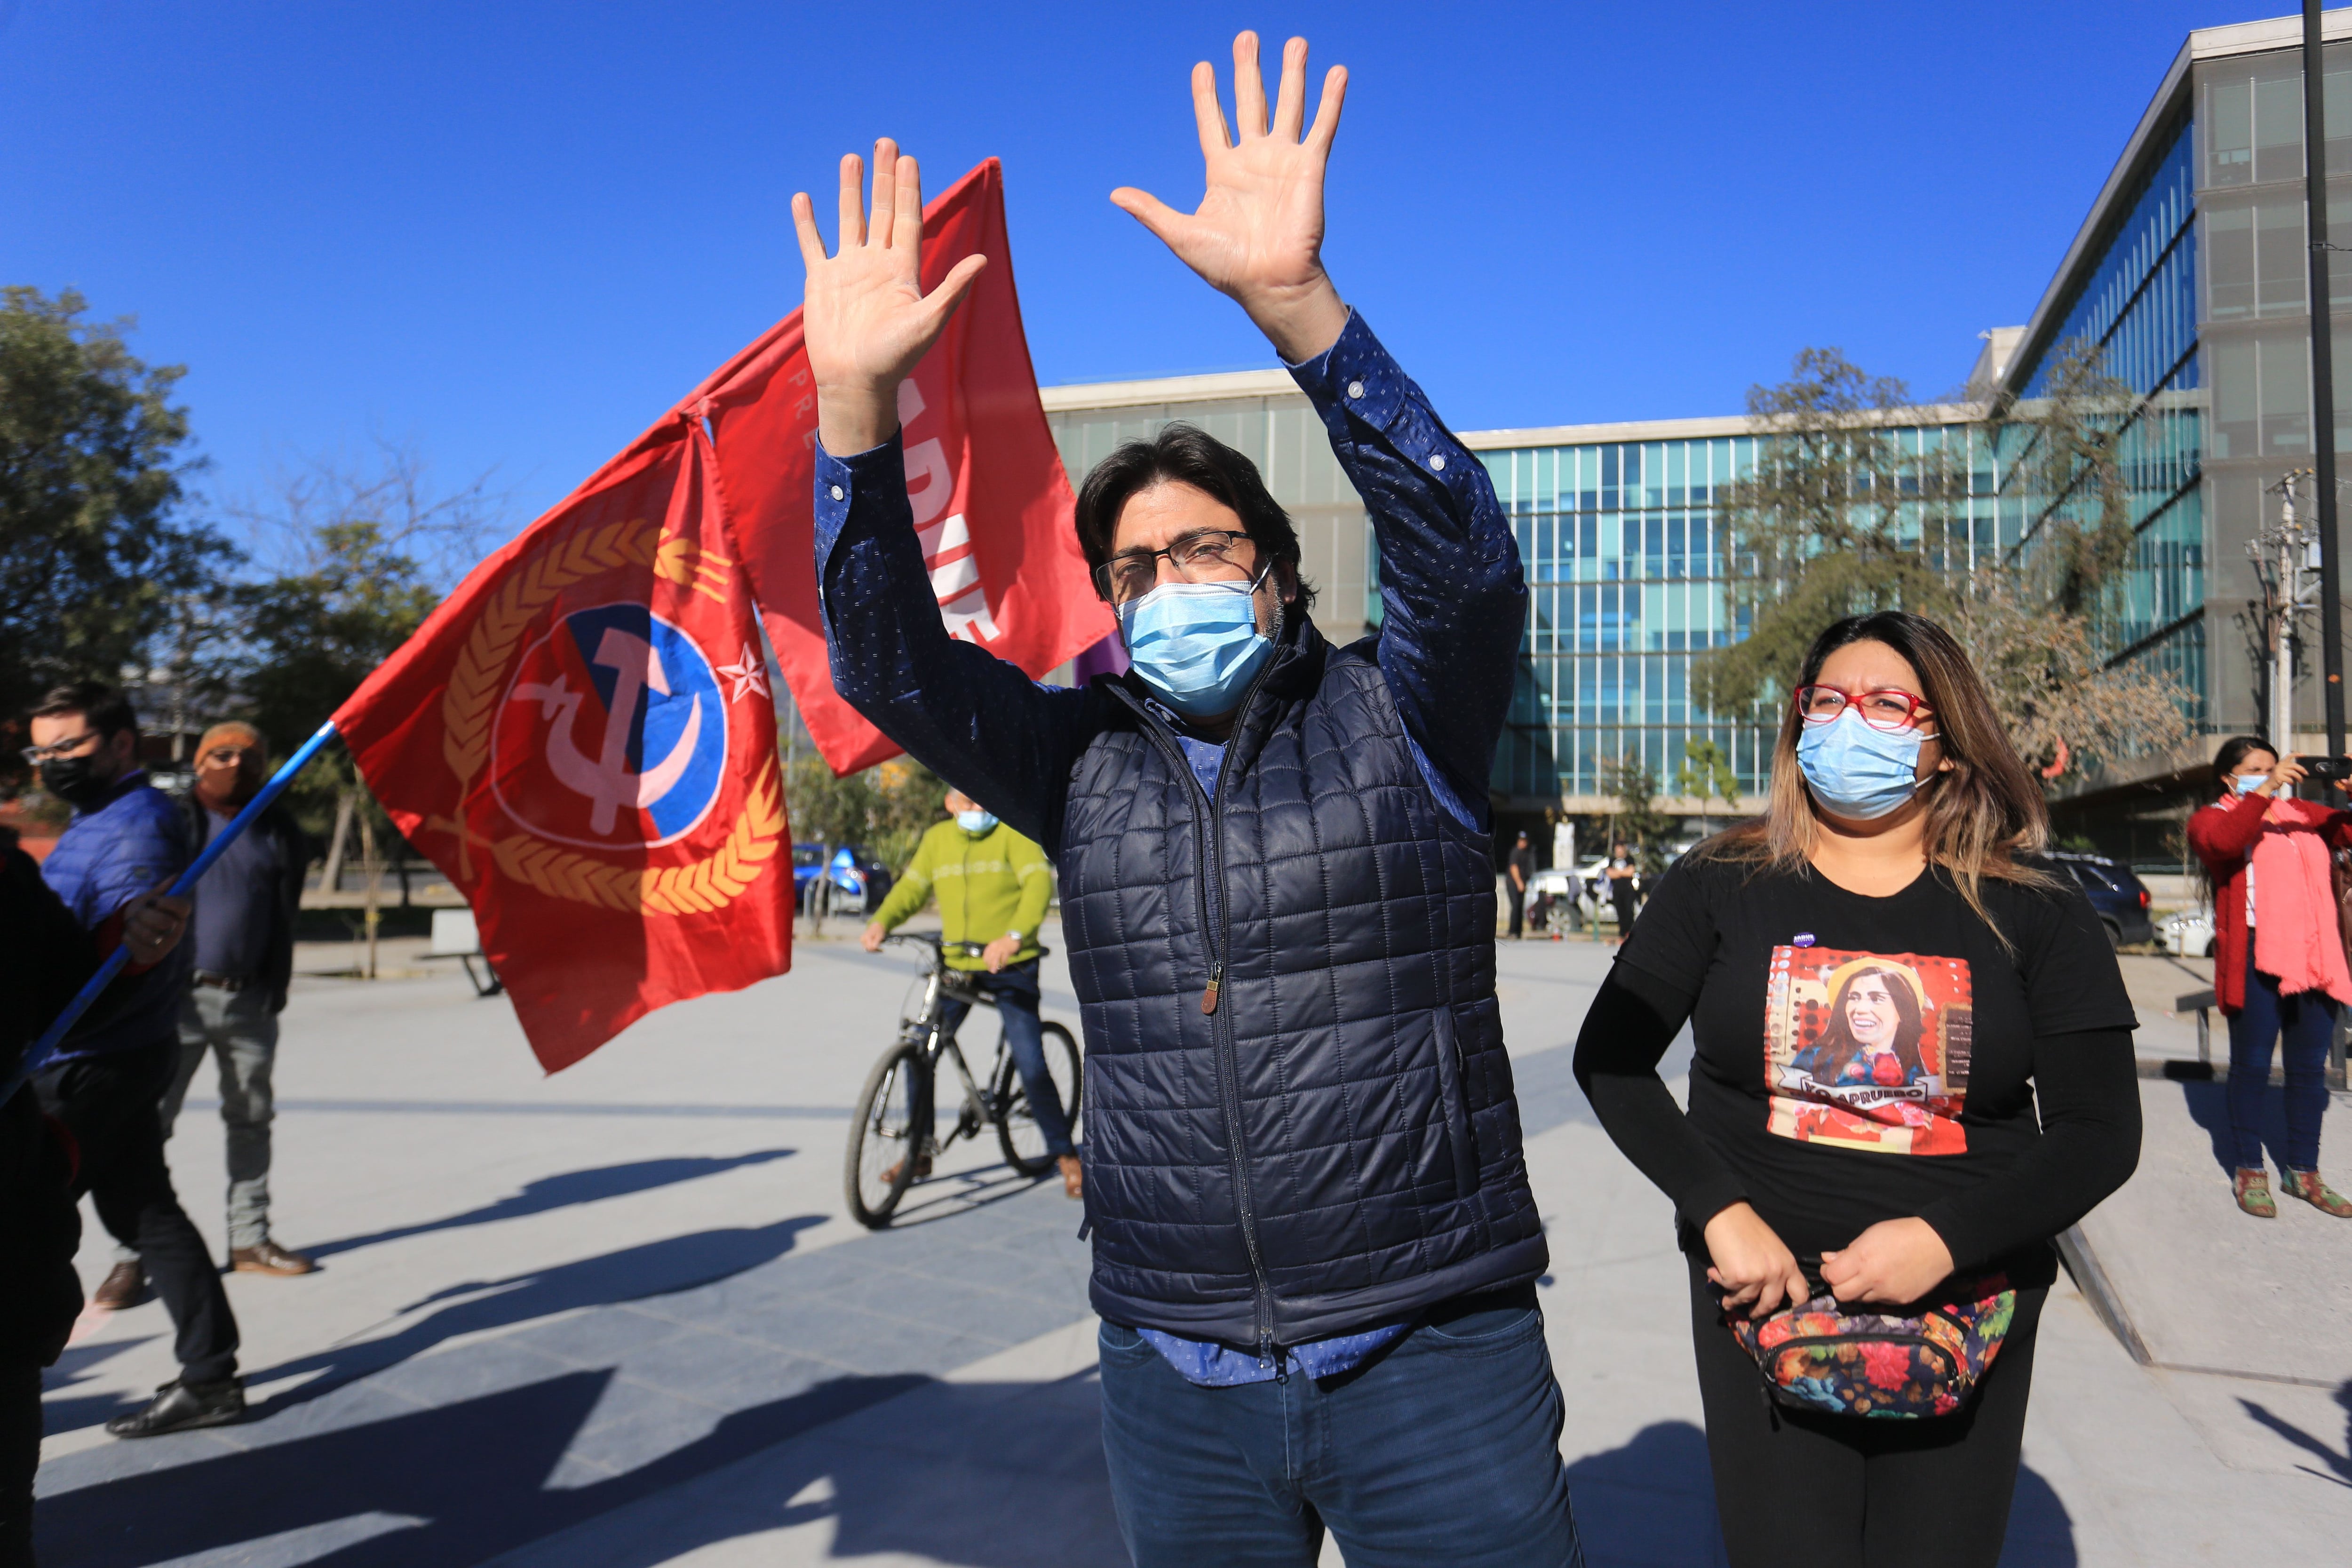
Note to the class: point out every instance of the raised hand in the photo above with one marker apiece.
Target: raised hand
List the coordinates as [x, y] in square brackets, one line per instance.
[867, 319]
[1258, 232]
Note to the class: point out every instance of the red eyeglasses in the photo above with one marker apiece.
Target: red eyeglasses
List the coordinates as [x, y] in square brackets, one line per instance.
[1890, 709]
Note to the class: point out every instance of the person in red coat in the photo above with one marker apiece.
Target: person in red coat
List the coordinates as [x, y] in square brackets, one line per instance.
[2279, 967]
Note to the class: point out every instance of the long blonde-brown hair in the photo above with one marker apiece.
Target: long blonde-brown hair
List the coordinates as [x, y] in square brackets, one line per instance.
[1983, 812]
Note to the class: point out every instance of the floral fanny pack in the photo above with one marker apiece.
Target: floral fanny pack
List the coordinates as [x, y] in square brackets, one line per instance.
[1913, 1363]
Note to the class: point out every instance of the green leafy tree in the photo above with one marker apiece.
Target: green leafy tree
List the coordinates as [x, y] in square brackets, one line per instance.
[1707, 775]
[93, 456]
[1841, 516]
[363, 551]
[1844, 515]
[885, 809]
[1637, 820]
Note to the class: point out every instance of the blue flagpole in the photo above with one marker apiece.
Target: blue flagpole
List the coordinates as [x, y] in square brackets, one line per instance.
[46, 1045]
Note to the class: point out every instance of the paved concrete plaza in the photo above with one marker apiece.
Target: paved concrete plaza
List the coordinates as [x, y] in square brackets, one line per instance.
[619, 1318]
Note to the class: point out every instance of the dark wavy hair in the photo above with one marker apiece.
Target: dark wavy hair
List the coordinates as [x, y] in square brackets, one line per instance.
[1187, 455]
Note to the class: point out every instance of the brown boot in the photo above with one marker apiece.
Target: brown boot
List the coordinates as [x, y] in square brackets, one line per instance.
[125, 1285]
[922, 1169]
[268, 1258]
[2306, 1185]
[2254, 1190]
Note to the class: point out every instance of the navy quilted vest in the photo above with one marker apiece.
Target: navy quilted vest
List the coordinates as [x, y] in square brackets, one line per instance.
[1337, 1144]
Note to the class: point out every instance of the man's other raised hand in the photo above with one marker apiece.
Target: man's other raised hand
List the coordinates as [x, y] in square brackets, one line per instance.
[865, 318]
[1258, 232]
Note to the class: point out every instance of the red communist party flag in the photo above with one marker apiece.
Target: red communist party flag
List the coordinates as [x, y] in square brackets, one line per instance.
[992, 507]
[582, 737]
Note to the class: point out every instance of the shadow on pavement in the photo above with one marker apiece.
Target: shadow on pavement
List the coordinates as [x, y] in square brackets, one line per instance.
[563, 1191]
[2209, 1107]
[472, 1474]
[632, 1273]
[936, 1198]
[1652, 1501]
[2339, 1463]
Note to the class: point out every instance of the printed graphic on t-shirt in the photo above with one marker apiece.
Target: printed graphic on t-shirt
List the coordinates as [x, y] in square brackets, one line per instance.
[1868, 1050]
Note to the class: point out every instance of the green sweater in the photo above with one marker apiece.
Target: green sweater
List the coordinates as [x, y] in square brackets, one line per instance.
[995, 885]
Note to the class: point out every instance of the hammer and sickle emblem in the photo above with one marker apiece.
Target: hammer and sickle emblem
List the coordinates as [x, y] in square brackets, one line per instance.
[606, 780]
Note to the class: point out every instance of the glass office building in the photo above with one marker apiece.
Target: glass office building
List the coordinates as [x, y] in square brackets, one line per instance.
[2186, 284]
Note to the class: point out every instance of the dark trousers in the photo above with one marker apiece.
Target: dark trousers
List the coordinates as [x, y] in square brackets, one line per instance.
[1015, 989]
[20, 1455]
[109, 1104]
[1793, 1489]
[2307, 1021]
[1519, 910]
[1443, 1453]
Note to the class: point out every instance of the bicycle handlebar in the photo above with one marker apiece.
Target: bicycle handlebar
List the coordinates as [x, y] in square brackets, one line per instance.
[939, 944]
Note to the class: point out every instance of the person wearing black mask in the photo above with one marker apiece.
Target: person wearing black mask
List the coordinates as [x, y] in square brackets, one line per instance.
[127, 838]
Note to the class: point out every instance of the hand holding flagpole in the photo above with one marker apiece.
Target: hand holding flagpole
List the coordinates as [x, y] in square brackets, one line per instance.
[54, 1035]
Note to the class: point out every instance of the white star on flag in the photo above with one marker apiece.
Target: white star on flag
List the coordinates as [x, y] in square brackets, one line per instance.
[750, 673]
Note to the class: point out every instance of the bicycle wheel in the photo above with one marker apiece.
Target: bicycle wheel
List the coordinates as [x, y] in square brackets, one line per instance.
[1016, 1127]
[884, 1146]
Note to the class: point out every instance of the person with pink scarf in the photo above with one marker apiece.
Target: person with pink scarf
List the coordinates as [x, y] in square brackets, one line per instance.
[2278, 958]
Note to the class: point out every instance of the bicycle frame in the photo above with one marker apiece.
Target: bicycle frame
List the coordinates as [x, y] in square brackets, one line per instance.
[929, 1029]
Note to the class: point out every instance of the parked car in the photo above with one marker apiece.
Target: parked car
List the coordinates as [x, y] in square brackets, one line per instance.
[1553, 901]
[2187, 934]
[855, 882]
[2120, 898]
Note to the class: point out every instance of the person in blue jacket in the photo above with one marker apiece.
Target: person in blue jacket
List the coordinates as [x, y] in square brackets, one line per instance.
[1315, 1249]
[126, 839]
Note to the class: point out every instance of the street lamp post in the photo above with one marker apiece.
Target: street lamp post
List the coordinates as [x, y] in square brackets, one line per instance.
[2323, 379]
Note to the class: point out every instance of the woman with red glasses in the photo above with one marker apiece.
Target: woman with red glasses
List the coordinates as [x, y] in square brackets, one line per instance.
[1882, 983]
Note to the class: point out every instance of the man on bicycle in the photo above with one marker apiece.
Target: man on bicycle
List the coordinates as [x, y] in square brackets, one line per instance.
[1314, 1247]
[992, 887]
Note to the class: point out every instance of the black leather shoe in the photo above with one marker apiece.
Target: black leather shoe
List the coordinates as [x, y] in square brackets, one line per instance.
[182, 1406]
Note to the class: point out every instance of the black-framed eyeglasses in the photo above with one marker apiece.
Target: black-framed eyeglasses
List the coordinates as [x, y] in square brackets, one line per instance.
[1891, 708]
[1203, 555]
[58, 751]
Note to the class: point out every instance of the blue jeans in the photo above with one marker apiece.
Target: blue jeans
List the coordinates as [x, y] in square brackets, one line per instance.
[2307, 1020]
[1444, 1451]
[1014, 987]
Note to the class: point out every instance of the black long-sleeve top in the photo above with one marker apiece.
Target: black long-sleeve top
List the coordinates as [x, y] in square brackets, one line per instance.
[1861, 1059]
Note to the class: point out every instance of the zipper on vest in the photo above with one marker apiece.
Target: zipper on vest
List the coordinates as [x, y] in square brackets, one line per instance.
[1212, 862]
[1223, 1028]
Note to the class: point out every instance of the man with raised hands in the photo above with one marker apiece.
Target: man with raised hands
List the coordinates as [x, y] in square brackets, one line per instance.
[1315, 1250]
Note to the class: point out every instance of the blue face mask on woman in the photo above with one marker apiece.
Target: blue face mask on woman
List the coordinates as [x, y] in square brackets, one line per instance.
[978, 823]
[1858, 772]
[1197, 645]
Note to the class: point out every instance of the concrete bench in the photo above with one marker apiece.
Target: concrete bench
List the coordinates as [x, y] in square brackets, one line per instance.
[2202, 1003]
[453, 936]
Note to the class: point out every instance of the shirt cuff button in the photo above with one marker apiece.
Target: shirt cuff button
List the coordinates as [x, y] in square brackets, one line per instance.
[1438, 462]
[1355, 389]
[837, 492]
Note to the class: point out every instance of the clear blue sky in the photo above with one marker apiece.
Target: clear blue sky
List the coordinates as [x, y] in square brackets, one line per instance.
[515, 233]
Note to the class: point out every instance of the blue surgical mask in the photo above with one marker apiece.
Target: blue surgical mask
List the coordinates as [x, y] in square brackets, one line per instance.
[2247, 783]
[1196, 645]
[976, 823]
[1855, 771]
